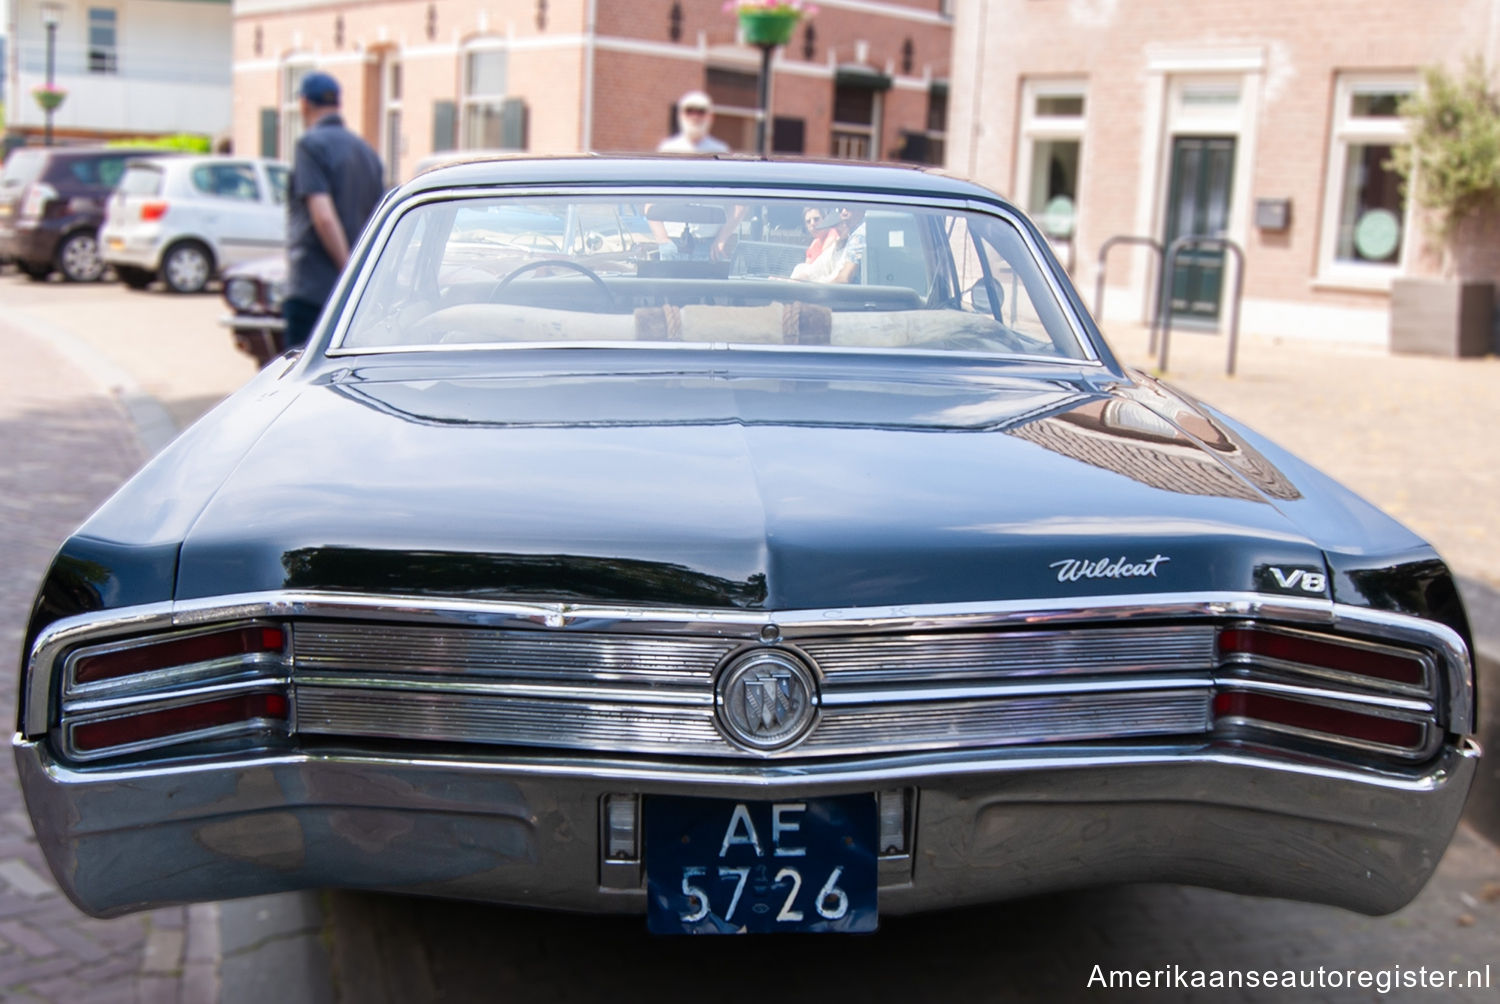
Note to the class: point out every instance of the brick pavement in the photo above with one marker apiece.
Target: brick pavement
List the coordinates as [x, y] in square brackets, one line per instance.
[48, 950]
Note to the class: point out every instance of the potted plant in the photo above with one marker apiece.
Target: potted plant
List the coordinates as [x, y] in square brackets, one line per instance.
[768, 22]
[1452, 170]
[49, 96]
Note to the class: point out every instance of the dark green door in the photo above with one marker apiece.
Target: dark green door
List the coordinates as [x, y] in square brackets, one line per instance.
[1198, 205]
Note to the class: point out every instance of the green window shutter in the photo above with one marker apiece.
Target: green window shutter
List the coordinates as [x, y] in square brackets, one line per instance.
[513, 124]
[444, 126]
[270, 133]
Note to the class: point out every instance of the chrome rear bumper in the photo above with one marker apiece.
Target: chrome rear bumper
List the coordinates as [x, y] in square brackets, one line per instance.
[525, 829]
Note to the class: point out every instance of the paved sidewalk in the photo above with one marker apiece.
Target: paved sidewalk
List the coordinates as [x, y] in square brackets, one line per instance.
[73, 426]
[50, 411]
[1418, 436]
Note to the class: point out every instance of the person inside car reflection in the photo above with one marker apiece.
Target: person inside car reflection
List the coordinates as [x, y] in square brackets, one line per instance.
[842, 258]
[811, 217]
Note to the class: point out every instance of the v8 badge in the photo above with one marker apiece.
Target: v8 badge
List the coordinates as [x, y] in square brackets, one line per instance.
[1292, 580]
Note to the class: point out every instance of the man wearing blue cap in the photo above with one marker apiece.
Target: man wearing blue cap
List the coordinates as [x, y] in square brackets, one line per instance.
[336, 182]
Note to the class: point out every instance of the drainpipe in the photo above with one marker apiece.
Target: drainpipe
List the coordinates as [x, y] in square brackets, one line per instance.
[586, 130]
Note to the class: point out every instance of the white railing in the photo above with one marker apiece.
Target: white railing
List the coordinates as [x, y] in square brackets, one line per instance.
[131, 62]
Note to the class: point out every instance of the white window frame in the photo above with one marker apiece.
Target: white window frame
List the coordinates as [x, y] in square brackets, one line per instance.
[292, 126]
[1048, 128]
[1345, 131]
[113, 65]
[469, 100]
[392, 147]
[854, 133]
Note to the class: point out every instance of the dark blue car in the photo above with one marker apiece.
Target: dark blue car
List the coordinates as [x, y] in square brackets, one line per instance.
[613, 548]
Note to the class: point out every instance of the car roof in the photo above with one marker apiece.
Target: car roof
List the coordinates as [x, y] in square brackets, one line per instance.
[189, 160]
[724, 171]
[77, 152]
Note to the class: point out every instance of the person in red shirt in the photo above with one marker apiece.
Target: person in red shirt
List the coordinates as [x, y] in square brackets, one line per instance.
[810, 217]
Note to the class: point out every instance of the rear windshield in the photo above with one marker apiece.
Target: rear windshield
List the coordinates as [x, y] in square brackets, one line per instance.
[141, 179]
[227, 181]
[688, 267]
[22, 167]
[99, 171]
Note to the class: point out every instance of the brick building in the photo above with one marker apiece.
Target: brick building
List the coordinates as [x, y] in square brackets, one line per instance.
[861, 78]
[1269, 121]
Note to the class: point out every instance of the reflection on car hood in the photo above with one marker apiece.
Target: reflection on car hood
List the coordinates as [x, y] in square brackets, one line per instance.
[761, 492]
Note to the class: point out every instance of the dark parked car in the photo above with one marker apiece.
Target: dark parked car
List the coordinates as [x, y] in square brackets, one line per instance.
[52, 203]
[587, 559]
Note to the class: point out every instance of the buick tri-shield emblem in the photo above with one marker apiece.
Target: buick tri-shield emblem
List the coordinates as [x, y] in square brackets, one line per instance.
[766, 699]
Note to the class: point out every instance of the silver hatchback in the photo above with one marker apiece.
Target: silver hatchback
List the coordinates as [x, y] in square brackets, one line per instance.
[186, 219]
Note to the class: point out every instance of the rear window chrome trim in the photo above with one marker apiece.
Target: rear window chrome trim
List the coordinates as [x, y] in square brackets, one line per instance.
[351, 289]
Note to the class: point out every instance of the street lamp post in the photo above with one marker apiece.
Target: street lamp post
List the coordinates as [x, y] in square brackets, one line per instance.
[51, 16]
[763, 96]
[766, 24]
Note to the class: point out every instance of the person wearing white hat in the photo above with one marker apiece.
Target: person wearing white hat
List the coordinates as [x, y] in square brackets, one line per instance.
[695, 116]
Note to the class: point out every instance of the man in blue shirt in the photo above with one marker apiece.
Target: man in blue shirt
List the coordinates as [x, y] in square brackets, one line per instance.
[336, 182]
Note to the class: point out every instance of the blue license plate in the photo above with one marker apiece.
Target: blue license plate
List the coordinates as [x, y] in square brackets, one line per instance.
[720, 866]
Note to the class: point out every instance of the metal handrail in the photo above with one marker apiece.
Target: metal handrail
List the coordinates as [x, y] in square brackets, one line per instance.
[1169, 269]
[1150, 242]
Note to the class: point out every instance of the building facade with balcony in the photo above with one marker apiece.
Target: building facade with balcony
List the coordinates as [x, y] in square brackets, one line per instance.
[129, 67]
[863, 79]
[1269, 122]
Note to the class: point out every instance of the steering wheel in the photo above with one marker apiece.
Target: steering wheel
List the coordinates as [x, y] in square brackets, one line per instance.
[609, 297]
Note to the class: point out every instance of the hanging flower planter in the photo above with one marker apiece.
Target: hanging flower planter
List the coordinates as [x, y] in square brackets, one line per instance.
[768, 23]
[49, 98]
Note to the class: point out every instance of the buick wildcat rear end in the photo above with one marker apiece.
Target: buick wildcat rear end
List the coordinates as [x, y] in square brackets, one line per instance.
[591, 557]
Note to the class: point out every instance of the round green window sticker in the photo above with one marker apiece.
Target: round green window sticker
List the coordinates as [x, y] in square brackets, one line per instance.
[1057, 218]
[1376, 234]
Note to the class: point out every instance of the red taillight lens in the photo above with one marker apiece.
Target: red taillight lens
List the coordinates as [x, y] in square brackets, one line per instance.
[131, 729]
[1319, 718]
[1325, 654]
[152, 211]
[178, 652]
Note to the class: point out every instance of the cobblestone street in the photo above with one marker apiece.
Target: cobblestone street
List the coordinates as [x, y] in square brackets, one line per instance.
[1414, 435]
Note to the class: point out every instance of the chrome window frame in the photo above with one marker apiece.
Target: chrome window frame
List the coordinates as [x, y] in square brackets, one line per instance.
[352, 289]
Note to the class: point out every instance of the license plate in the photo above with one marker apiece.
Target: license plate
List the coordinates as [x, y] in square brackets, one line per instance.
[719, 866]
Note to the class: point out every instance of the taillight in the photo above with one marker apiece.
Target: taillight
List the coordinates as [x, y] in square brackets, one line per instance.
[1319, 720]
[34, 205]
[1317, 653]
[108, 665]
[152, 211]
[164, 726]
[140, 694]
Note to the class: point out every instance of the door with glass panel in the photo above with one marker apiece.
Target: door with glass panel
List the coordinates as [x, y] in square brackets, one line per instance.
[1198, 196]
